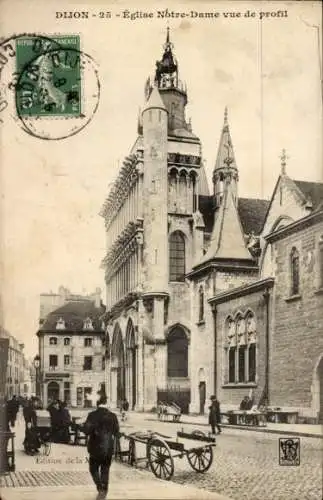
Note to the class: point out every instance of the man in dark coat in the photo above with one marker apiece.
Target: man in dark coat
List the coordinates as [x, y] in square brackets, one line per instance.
[31, 442]
[55, 424]
[102, 427]
[64, 422]
[214, 415]
[12, 409]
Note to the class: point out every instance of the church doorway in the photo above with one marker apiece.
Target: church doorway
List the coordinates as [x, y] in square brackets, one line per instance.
[118, 362]
[202, 390]
[52, 391]
[131, 365]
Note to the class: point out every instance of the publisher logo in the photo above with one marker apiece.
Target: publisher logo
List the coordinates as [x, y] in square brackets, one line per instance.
[289, 451]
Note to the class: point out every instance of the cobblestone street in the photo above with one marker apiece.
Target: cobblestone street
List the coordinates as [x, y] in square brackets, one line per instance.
[245, 466]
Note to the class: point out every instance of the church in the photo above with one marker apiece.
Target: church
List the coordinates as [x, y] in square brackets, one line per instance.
[207, 292]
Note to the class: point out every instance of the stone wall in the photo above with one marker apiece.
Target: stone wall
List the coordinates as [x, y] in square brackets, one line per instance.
[298, 339]
[232, 394]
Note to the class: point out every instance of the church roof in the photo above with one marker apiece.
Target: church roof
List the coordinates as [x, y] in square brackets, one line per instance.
[225, 157]
[74, 314]
[312, 191]
[154, 100]
[252, 213]
[227, 239]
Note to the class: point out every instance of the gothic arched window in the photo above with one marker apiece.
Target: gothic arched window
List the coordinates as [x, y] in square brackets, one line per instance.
[201, 304]
[177, 353]
[240, 348]
[252, 363]
[176, 257]
[232, 365]
[294, 267]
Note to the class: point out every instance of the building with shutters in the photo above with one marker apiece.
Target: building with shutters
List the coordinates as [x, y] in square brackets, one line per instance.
[196, 278]
[71, 341]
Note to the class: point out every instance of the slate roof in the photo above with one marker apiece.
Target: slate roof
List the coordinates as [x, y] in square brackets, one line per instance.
[207, 210]
[74, 314]
[252, 213]
[312, 191]
[227, 239]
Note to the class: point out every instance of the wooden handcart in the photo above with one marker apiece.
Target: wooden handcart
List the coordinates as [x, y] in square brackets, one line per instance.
[169, 411]
[159, 451]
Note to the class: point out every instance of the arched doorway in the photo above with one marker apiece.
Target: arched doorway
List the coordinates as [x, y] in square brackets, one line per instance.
[202, 390]
[52, 391]
[131, 365]
[118, 364]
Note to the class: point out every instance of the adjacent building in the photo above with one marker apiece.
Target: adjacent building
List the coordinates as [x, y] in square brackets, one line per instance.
[16, 361]
[71, 347]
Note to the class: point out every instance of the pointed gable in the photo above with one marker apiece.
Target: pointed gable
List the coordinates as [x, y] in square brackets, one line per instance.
[288, 203]
[227, 240]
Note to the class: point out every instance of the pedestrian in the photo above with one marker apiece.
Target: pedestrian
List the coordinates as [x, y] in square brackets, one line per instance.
[64, 422]
[31, 442]
[12, 410]
[214, 415]
[124, 410]
[102, 428]
[54, 412]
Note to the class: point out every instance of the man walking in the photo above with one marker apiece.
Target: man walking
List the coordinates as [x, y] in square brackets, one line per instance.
[102, 427]
[214, 415]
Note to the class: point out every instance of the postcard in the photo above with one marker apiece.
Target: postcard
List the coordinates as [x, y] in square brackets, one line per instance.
[161, 249]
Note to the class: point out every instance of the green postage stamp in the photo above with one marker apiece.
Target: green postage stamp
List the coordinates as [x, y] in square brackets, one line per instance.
[49, 76]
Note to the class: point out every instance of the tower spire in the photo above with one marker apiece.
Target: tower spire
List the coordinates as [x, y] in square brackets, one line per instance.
[225, 116]
[225, 170]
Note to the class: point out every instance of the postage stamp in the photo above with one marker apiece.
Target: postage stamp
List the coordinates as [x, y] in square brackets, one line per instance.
[52, 78]
[48, 86]
[289, 451]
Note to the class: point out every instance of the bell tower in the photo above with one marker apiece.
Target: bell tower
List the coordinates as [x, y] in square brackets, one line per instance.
[172, 90]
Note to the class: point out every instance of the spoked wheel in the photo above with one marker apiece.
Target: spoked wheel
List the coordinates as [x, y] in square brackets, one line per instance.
[132, 452]
[160, 459]
[200, 459]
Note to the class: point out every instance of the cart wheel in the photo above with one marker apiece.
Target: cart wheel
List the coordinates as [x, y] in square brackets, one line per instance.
[160, 459]
[200, 459]
[132, 452]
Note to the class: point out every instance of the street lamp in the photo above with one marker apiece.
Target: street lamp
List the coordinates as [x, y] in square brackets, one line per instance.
[37, 368]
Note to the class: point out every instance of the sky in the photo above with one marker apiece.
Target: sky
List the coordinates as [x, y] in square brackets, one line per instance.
[52, 191]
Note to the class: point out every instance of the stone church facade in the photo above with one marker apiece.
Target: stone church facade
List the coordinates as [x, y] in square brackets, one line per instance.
[205, 288]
